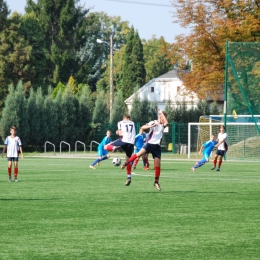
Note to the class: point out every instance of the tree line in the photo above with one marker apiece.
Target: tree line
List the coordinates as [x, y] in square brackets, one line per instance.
[55, 40]
[71, 117]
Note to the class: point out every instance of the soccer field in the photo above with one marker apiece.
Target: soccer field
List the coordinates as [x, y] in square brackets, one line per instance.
[62, 209]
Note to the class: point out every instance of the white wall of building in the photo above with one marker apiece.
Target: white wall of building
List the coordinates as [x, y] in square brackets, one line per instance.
[161, 90]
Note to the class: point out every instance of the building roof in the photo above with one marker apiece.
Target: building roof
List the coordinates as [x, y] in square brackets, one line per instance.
[172, 74]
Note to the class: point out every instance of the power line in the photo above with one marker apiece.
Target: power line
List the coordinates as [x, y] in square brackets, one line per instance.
[140, 3]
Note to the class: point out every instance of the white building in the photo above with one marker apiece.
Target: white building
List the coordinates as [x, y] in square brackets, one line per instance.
[161, 89]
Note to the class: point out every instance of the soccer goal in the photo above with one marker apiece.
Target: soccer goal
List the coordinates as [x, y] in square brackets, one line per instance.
[243, 139]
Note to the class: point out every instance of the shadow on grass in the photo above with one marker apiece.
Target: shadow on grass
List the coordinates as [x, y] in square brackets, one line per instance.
[24, 199]
[191, 191]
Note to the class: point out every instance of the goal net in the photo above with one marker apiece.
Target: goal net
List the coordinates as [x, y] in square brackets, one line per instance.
[242, 74]
[243, 137]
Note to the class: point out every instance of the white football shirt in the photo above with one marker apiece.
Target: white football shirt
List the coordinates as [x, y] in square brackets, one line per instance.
[128, 131]
[221, 137]
[13, 144]
[156, 132]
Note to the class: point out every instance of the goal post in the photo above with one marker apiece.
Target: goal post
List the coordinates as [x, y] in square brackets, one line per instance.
[243, 139]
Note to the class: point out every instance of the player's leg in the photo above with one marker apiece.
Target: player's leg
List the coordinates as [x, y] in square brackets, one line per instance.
[133, 157]
[92, 165]
[220, 161]
[9, 169]
[147, 164]
[105, 157]
[16, 169]
[215, 161]
[114, 146]
[203, 160]
[157, 172]
[144, 159]
[128, 148]
[135, 162]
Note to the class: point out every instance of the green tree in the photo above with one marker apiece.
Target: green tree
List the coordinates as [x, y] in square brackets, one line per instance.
[133, 72]
[170, 110]
[22, 55]
[157, 60]
[64, 27]
[145, 107]
[69, 112]
[60, 87]
[35, 66]
[214, 109]
[33, 118]
[101, 111]
[136, 112]
[14, 113]
[95, 57]
[86, 105]
[51, 123]
[3, 15]
[104, 82]
[153, 112]
[13, 53]
[119, 108]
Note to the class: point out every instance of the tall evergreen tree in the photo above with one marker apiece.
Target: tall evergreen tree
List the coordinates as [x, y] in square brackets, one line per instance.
[14, 113]
[3, 14]
[119, 108]
[51, 124]
[22, 53]
[214, 109]
[69, 106]
[64, 24]
[133, 72]
[86, 110]
[136, 112]
[153, 112]
[101, 111]
[33, 117]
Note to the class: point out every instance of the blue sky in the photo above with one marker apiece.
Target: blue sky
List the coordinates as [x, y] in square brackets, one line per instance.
[149, 17]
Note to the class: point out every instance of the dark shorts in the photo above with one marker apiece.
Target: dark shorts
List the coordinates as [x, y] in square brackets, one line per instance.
[154, 149]
[126, 147]
[14, 159]
[221, 152]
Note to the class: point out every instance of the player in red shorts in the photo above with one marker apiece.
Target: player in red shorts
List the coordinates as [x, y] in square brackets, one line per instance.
[156, 128]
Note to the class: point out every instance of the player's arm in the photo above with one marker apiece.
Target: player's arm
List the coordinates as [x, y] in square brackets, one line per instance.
[21, 149]
[201, 149]
[148, 126]
[222, 141]
[165, 121]
[119, 131]
[4, 149]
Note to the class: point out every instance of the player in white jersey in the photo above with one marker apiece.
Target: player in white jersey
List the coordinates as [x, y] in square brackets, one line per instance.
[126, 131]
[153, 146]
[222, 147]
[14, 147]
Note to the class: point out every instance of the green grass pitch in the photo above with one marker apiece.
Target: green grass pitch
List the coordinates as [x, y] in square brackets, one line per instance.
[62, 209]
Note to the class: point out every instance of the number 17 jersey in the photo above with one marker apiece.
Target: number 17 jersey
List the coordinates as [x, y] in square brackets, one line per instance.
[128, 131]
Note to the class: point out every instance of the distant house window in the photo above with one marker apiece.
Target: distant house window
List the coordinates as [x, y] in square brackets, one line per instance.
[152, 89]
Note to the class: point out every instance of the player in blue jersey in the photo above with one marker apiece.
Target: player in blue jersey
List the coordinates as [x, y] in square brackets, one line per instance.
[206, 150]
[102, 153]
[139, 143]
